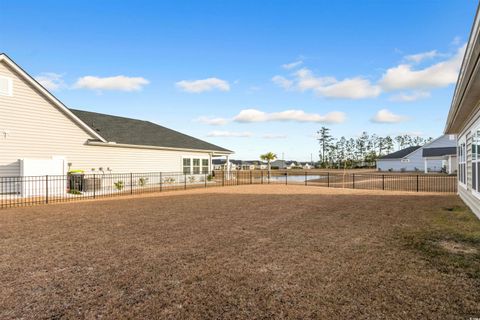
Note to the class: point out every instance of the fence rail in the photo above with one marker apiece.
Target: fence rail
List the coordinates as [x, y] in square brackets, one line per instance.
[31, 190]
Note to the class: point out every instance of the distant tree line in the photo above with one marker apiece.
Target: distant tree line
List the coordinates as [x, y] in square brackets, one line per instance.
[362, 151]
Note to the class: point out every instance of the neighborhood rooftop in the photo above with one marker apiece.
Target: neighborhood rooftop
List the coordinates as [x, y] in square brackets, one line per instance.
[400, 153]
[138, 132]
[438, 152]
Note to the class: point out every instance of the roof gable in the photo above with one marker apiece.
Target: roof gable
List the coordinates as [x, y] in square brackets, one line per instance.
[41, 90]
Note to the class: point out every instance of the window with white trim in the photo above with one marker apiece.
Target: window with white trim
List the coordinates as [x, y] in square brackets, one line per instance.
[196, 166]
[462, 151]
[6, 86]
[187, 162]
[205, 166]
[476, 160]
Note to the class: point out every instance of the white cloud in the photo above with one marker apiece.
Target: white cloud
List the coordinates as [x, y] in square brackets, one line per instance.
[292, 65]
[228, 134]
[198, 86]
[419, 57]
[349, 88]
[438, 75]
[254, 115]
[50, 80]
[456, 41]
[386, 116]
[274, 136]
[282, 82]
[212, 121]
[120, 83]
[409, 97]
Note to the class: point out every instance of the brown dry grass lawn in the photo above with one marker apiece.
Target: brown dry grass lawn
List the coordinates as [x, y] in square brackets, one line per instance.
[247, 252]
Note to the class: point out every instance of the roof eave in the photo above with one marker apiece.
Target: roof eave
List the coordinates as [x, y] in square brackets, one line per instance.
[135, 146]
[468, 69]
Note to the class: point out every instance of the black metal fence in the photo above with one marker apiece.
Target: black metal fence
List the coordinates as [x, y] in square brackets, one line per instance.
[24, 191]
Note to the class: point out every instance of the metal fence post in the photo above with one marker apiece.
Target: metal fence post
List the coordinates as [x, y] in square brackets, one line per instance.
[238, 181]
[46, 189]
[353, 180]
[160, 182]
[251, 181]
[383, 182]
[131, 183]
[94, 191]
[417, 182]
[223, 178]
[306, 178]
[206, 177]
[185, 181]
[261, 176]
[328, 179]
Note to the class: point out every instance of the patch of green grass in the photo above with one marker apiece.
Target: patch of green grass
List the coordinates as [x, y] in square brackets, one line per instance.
[449, 241]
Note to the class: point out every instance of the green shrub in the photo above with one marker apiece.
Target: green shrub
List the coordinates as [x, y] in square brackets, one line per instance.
[142, 181]
[74, 191]
[119, 185]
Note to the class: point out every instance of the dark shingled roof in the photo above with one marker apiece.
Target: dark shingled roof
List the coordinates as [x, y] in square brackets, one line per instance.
[400, 153]
[438, 152]
[142, 133]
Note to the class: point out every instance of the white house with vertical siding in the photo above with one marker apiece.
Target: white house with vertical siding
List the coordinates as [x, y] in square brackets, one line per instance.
[464, 120]
[39, 135]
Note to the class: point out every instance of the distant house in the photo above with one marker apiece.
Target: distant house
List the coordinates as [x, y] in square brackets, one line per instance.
[39, 135]
[306, 165]
[284, 164]
[220, 164]
[259, 165]
[434, 156]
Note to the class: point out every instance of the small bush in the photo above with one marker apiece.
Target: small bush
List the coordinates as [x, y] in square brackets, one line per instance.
[169, 180]
[142, 181]
[119, 185]
[74, 191]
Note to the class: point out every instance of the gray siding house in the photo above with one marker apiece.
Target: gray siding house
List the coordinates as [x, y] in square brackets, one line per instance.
[432, 157]
[39, 135]
[464, 121]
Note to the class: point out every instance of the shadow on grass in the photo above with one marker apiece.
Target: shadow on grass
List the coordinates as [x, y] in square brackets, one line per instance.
[450, 242]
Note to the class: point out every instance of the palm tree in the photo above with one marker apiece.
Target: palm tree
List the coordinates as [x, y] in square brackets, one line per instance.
[269, 157]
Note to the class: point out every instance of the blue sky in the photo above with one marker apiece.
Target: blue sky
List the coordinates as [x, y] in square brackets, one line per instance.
[251, 76]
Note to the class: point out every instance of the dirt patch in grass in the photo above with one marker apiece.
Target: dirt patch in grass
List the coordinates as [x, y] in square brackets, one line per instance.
[450, 241]
[458, 248]
[247, 252]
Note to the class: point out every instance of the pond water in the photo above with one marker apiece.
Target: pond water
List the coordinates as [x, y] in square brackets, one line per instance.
[296, 178]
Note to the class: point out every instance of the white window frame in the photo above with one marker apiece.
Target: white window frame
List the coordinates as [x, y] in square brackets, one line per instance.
[476, 161]
[200, 167]
[189, 165]
[462, 160]
[9, 87]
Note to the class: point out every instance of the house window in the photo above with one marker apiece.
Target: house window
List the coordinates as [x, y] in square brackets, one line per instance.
[196, 166]
[461, 163]
[476, 160]
[204, 166]
[405, 160]
[187, 162]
